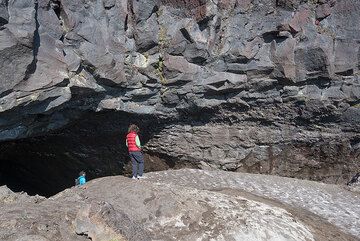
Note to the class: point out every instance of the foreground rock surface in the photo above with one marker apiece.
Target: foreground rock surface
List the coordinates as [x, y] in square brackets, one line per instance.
[184, 205]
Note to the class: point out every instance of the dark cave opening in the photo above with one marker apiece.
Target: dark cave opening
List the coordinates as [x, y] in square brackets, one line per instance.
[35, 176]
[48, 164]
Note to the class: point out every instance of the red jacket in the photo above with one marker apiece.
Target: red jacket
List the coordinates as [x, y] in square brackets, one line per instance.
[131, 142]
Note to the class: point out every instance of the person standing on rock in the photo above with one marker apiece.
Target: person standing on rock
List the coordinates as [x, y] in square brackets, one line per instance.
[81, 180]
[136, 156]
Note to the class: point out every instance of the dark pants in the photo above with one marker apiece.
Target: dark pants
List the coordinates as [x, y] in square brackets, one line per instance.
[137, 159]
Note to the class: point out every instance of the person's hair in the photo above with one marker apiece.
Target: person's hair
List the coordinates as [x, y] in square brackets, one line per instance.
[82, 173]
[133, 128]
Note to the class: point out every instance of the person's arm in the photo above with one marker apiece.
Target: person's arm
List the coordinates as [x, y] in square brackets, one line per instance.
[137, 141]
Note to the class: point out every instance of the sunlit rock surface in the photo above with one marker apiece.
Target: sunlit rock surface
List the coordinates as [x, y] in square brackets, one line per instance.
[185, 205]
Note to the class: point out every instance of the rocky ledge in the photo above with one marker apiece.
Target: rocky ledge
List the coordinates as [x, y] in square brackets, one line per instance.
[185, 205]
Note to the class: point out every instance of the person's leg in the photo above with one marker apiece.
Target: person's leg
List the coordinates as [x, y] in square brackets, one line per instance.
[140, 160]
[141, 164]
[134, 164]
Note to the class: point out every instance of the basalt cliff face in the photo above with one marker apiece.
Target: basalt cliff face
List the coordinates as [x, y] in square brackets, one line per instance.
[259, 86]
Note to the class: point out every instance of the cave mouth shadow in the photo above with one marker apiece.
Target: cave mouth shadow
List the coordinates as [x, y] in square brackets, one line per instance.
[35, 167]
[23, 178]
[35, 177]
[46, 165]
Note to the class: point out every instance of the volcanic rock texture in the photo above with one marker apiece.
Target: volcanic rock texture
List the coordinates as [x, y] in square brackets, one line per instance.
[259, 86]
[185, 205]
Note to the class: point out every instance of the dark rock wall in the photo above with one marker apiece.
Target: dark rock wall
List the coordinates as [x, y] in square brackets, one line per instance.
[257, 85]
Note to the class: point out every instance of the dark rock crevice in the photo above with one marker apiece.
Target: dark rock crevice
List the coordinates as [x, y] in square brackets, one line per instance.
[36, 45]
[186, 35]
[56, 6]
[204, 23]
[3, 21]
[4, 15]
[126, 22]
[273, 36]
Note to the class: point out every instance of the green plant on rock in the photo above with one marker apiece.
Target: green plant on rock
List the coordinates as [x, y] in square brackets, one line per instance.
[159, 69]
[163, 42]
[159, 12]
[313, 1]
[356, 105]
[163, 39]
[326, 31]
[146, 55]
